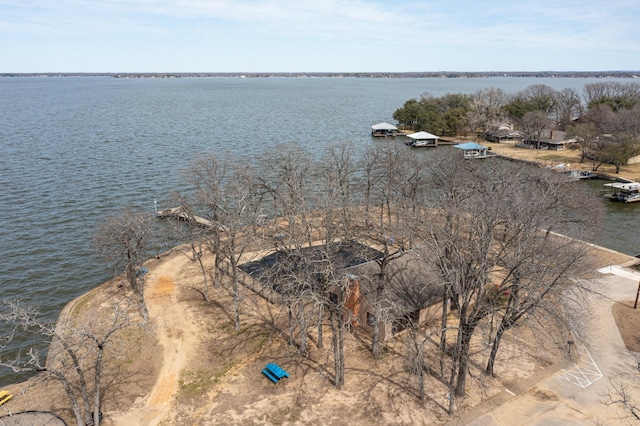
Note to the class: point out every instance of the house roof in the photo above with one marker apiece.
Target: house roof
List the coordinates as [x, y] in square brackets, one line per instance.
[384, 126]
[554, 137]
[422, 136]
[502, 132]
[413, 284]
[469, 145]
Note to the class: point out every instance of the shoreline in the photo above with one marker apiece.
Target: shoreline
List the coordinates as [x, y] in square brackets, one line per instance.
[603, 257]
[612, 257]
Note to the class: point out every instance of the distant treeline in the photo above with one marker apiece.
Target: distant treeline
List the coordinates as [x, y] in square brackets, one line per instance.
[434, 74]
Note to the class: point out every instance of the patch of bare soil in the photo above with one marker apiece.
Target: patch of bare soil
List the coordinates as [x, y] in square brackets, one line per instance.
[131, 359]
[211, 373]
[628, 322]
[191, 366]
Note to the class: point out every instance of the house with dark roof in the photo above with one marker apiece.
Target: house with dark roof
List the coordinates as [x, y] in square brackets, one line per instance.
[412, 297]
[504, 134]
[555, 140]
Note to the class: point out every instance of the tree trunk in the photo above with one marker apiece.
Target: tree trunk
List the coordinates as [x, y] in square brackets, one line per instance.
[340, 375]
[375, 336]
[337, 329]
[452, 377]
[302, 321]
[204, 276]
[137, 285]
[236, 289]
[494, 348]
[142, 307]
[98, 377]
[464, 346]
[319, 342]
[443, 332]
[79, 372]
[74, 402]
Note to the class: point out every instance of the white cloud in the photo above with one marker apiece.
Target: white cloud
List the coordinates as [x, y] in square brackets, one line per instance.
[424, 29]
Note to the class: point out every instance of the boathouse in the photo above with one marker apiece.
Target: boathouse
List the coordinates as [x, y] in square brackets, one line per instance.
[473, 150]
[422, 139]
[383, 130]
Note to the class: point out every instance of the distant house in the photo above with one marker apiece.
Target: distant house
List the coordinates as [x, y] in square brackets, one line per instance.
[555, 140]
[383, 130]
[422, 139]
[504, 134]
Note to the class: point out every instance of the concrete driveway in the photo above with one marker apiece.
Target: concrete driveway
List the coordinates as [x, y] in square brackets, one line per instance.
[573, 394]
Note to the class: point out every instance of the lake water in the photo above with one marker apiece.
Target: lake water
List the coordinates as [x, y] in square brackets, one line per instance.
[75, 149]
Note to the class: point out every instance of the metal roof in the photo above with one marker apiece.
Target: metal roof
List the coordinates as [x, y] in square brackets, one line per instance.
[384, 126]
[422, 135]
[469, 145]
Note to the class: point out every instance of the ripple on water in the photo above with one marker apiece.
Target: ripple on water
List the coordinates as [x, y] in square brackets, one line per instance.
[73, 150]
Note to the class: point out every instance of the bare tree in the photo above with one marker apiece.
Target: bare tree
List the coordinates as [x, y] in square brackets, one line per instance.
[568, 108]
[614, 94]
[207, 176]
[534, 123]
[237, 217]
[588, 136]
[619, 394]
[284, 185]
[75, 355]
[609, 136]
[542, 98]
[485, 226]
[123, 241]
[486, 109]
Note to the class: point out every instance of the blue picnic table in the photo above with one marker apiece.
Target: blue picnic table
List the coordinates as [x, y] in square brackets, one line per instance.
[274, 372]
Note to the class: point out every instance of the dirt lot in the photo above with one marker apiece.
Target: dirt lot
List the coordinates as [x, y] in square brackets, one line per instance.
[189, 365]
[628, 322]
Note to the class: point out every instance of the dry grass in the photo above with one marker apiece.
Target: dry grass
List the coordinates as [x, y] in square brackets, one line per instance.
[568, 156]
[628, 322]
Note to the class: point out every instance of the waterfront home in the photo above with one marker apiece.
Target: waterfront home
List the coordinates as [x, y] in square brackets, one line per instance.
[383, 130]
[504, 134]
[555, 140]
[473, 150]
[422, 139]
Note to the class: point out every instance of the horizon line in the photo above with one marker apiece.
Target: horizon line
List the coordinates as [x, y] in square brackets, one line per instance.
[548, 73]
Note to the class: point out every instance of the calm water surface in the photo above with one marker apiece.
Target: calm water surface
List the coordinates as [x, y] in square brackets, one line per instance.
[73, 150]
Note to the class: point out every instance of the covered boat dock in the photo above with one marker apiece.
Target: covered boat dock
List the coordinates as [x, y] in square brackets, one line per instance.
[383, 130]
[422, 139]
[473, 150]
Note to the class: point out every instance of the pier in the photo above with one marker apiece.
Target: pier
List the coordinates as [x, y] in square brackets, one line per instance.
[180, 213]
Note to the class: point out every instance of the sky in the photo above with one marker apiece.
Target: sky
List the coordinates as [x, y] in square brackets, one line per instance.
[318, 35]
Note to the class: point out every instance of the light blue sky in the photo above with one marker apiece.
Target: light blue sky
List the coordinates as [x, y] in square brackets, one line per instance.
[318, 35]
